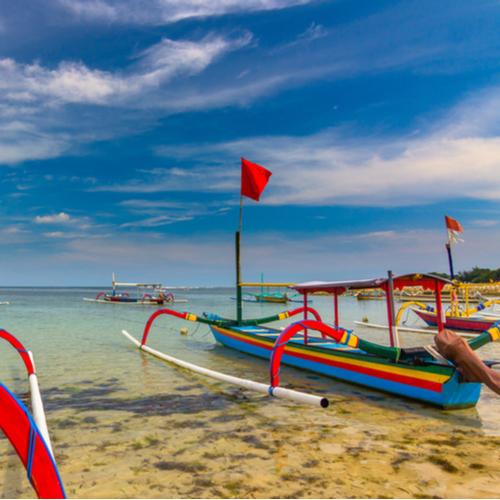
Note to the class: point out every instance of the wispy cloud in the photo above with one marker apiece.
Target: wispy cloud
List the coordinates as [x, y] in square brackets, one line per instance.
[74, 82]
[158, 221]
[175, 179]
[457, 156]
[36, 100]
[60, 218]
[158, 12]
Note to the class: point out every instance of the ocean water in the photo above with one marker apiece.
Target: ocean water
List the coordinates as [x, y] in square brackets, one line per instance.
[124, 424]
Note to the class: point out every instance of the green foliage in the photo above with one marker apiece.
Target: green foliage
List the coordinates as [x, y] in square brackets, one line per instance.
[476, 275]
[479, 275]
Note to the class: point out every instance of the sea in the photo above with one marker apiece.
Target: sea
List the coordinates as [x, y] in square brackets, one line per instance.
[126, 425]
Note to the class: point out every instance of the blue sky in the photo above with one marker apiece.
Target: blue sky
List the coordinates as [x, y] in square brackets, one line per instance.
[122, 123]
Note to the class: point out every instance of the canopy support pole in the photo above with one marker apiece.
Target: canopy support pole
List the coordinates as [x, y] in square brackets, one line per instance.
[336, 309]
[389, 293]
[439, 307]
[305, 317]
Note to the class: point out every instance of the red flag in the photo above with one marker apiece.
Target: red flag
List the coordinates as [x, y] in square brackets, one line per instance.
[254, 179]
[453, 224]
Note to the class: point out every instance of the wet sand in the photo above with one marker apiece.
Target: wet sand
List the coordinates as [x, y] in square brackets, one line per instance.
[208, 440]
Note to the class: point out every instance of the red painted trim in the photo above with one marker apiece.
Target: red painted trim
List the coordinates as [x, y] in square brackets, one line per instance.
[19, 347]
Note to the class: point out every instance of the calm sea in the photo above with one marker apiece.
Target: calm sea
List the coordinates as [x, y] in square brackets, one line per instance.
[126, 425]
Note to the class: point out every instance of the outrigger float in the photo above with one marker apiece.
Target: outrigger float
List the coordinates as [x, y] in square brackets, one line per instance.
[418, 373]
[29, 434]
[158, 296]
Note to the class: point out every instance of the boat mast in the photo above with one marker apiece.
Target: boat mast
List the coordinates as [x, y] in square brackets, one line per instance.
[239, 307]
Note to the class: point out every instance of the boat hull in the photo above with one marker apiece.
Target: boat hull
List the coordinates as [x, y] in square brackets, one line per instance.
[271, 299]
[473, 324]
[433, 384]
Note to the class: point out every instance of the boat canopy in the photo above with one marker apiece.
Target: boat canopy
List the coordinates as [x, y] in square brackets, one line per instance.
[426, 281]
[139, 285]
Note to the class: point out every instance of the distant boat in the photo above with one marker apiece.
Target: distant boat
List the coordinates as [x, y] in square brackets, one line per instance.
[370, 295]
[147, 294]
[266, 295]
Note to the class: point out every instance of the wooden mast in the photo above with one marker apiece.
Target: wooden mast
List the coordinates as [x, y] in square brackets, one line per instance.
[239, 302]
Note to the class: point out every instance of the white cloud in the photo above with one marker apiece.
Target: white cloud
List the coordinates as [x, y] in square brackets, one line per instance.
[158, 221]
[176, 179]
[60, 218]
[458, 156]
[73, 82]
[35, 99]
[158, 12]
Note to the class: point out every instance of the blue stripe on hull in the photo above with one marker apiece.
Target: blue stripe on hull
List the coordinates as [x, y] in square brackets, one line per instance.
[454, 394]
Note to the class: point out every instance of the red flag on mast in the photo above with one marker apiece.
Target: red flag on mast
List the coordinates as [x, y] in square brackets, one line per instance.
[454, 227]
[254, 179]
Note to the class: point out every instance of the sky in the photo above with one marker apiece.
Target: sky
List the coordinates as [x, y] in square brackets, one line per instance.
[122, 124]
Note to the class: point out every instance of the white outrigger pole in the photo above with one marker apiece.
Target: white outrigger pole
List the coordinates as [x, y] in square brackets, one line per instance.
[277, 392]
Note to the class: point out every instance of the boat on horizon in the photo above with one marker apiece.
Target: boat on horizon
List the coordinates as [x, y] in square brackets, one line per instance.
[146, 294]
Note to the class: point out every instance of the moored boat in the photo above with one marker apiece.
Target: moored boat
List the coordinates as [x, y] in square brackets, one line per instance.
[147, 294]
[420, 373]
[471, 323]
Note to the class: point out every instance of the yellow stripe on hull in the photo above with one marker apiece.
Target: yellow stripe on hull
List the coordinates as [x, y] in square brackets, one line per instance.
[397, 370]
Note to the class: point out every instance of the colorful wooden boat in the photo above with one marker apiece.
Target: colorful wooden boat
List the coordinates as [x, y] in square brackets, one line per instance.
[158, 296]
[472, 323]
[416, 373]
[273, 298]
[420, 373]
[29, 434]
[370, 296]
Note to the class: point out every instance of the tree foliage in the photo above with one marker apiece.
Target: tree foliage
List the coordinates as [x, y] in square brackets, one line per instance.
[476, 275]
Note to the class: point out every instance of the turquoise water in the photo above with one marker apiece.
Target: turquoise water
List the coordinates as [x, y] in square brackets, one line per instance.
[122, 422]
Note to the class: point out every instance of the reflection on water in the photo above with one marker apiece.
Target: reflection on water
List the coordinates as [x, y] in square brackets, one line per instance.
[127, 425]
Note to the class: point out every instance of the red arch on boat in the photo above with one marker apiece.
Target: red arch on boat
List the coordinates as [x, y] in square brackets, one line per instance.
[21, 430]
[99, 295]
[192, 317]
[180, 315]
[19, 347]
[289, 332]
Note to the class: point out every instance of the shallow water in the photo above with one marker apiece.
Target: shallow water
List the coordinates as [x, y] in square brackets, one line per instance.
[124, 424]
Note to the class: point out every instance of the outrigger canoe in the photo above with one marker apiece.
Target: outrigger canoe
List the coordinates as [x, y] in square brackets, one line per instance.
[472, 323]
[29, 434]
[418, 373]
[158, 296]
